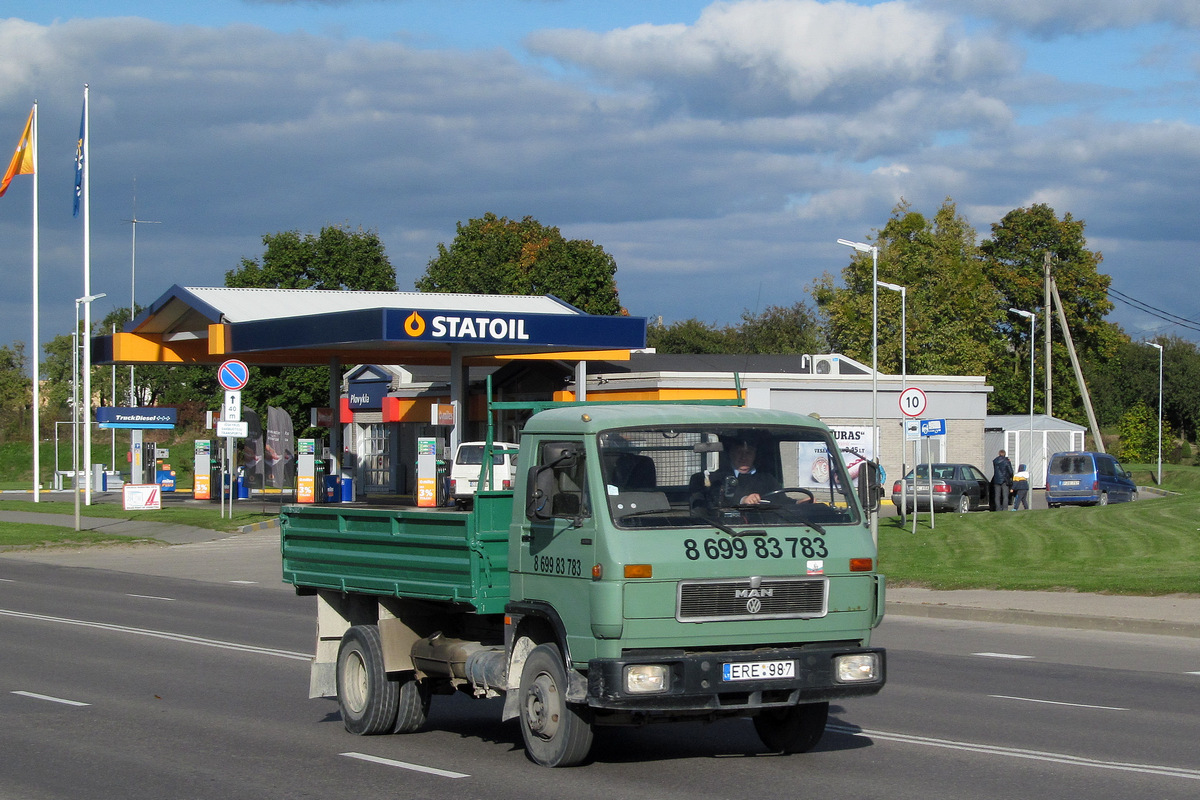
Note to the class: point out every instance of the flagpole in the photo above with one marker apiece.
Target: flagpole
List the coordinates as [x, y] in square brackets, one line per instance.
[37, 394]
[87, 310]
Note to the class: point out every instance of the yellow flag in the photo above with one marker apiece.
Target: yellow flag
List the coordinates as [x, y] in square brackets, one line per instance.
[22, 160]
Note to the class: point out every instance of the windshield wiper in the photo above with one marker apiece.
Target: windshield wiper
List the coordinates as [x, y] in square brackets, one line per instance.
[766, 505]
[718, 525]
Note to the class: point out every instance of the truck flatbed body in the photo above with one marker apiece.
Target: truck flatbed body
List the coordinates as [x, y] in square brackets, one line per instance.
[439, 554]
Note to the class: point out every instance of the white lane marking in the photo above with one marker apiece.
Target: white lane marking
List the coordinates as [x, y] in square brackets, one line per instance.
[1033, 755]
[1056, 702]
[245, 583]
[405, 765]
[174, 637]
[65, 702]
[149, 597]
[1001, 655]
[1191, 673]
[7, 580]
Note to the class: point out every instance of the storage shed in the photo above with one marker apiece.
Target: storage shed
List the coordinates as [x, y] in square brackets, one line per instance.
[1011, 433]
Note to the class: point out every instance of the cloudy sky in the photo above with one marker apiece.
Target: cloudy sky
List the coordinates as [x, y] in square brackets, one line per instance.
[717, 149]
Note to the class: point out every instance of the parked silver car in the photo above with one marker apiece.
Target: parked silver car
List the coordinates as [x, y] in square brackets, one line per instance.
[956, 487]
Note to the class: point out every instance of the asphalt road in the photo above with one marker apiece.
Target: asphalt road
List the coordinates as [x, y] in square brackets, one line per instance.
[124, 685]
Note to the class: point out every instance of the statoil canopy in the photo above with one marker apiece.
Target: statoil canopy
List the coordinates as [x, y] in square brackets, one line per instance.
[200, 325]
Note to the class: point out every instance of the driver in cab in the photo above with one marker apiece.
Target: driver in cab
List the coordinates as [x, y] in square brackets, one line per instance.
[739, 484]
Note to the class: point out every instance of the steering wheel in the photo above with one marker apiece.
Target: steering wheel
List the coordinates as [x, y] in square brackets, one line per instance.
[811, 497]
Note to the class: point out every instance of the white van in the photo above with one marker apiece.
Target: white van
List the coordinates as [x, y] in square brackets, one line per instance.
[467, 463]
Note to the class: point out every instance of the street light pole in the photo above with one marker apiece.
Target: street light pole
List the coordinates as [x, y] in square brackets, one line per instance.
[863, 247]
[1032, 337]
[903, 290]
[75, 401]
[1159, 348]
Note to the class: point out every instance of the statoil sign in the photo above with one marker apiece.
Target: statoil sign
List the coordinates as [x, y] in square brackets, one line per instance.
[516, 329]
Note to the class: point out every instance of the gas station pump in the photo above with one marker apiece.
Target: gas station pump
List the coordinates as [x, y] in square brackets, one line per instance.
[202, 480]
[310, 472]
[427, 472]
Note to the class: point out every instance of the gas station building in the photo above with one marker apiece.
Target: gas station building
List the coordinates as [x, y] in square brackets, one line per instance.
[397, 359]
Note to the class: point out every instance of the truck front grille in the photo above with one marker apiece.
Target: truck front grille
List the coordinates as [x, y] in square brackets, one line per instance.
[752, 598]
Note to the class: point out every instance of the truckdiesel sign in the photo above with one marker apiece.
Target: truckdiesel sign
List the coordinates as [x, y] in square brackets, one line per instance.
[147, 418]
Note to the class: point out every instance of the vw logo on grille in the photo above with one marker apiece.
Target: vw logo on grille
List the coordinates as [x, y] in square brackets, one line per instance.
[754, 605]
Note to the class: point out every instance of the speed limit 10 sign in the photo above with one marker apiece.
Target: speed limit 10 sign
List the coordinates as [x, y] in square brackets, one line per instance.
[912, 402]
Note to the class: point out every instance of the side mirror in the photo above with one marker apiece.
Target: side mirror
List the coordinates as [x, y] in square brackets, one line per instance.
[870, 490]
[539, 490]
[541, 485]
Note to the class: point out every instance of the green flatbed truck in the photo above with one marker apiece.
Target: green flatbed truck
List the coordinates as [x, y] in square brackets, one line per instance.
[634, 574]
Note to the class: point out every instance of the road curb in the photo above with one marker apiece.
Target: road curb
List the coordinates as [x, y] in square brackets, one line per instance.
[1044, 619]
[267, 524]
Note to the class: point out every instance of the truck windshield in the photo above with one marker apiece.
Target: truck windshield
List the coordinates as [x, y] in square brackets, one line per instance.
[725, 476]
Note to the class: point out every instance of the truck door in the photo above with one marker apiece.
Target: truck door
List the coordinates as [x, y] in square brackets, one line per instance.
[557, 543]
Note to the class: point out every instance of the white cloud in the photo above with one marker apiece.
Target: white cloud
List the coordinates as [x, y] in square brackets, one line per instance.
[1057, 17]
[780, 57]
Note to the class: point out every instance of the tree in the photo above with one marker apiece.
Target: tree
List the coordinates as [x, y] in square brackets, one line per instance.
[496, 255]
[337, 258]
[952, 309]
[57, 374]
[1138, 432]
[15, 388]
[687, 336]
[792, 329]
[1014, 261]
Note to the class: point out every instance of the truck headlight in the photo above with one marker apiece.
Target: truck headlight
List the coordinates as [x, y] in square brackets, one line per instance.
[645, 678]
[857, 667]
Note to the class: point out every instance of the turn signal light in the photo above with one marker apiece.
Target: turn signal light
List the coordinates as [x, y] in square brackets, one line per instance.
[638, 571]
[861, 564]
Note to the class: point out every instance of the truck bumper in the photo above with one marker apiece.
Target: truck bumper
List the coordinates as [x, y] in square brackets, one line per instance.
[696, 682]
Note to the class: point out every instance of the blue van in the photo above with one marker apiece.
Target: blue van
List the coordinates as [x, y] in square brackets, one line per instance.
[1087, 478]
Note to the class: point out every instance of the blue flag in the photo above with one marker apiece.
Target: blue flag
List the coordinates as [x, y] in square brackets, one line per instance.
[79, 159]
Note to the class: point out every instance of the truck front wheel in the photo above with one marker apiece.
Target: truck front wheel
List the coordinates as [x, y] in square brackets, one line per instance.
[796, 729]
[556, 734]
[367, 699]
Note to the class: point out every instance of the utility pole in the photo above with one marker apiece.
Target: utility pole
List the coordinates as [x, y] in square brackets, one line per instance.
[1047, 327]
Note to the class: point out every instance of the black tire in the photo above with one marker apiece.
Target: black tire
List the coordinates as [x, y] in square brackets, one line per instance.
[1133, 496]
[556, 734]
[412, 704]
[366, 698]
[795, 729]
[1103, 501]
[964, 503]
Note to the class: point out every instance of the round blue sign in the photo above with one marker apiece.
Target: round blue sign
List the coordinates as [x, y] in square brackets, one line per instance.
[232, 375]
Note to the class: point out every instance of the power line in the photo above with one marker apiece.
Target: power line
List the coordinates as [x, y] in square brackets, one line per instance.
[1146, 308]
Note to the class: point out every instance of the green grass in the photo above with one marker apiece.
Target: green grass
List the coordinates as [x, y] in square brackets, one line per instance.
[13, 534]
[29, 535]
[1150, 547]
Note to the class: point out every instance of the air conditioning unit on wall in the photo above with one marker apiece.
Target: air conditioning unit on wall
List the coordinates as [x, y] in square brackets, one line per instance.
[824, 365]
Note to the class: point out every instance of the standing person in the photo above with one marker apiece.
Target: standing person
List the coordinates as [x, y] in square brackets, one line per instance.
[1002, 475]
[1020, 488]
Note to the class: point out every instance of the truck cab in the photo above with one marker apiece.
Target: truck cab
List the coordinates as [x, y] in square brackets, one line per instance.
[678, 584]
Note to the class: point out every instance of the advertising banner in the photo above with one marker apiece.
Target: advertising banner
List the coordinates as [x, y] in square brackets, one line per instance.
[855, 444]
[279, 449]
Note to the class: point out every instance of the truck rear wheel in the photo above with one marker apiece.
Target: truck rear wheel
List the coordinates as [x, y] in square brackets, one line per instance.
[556, 734]
[367, 699]
[796, 729]
[412, 705]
